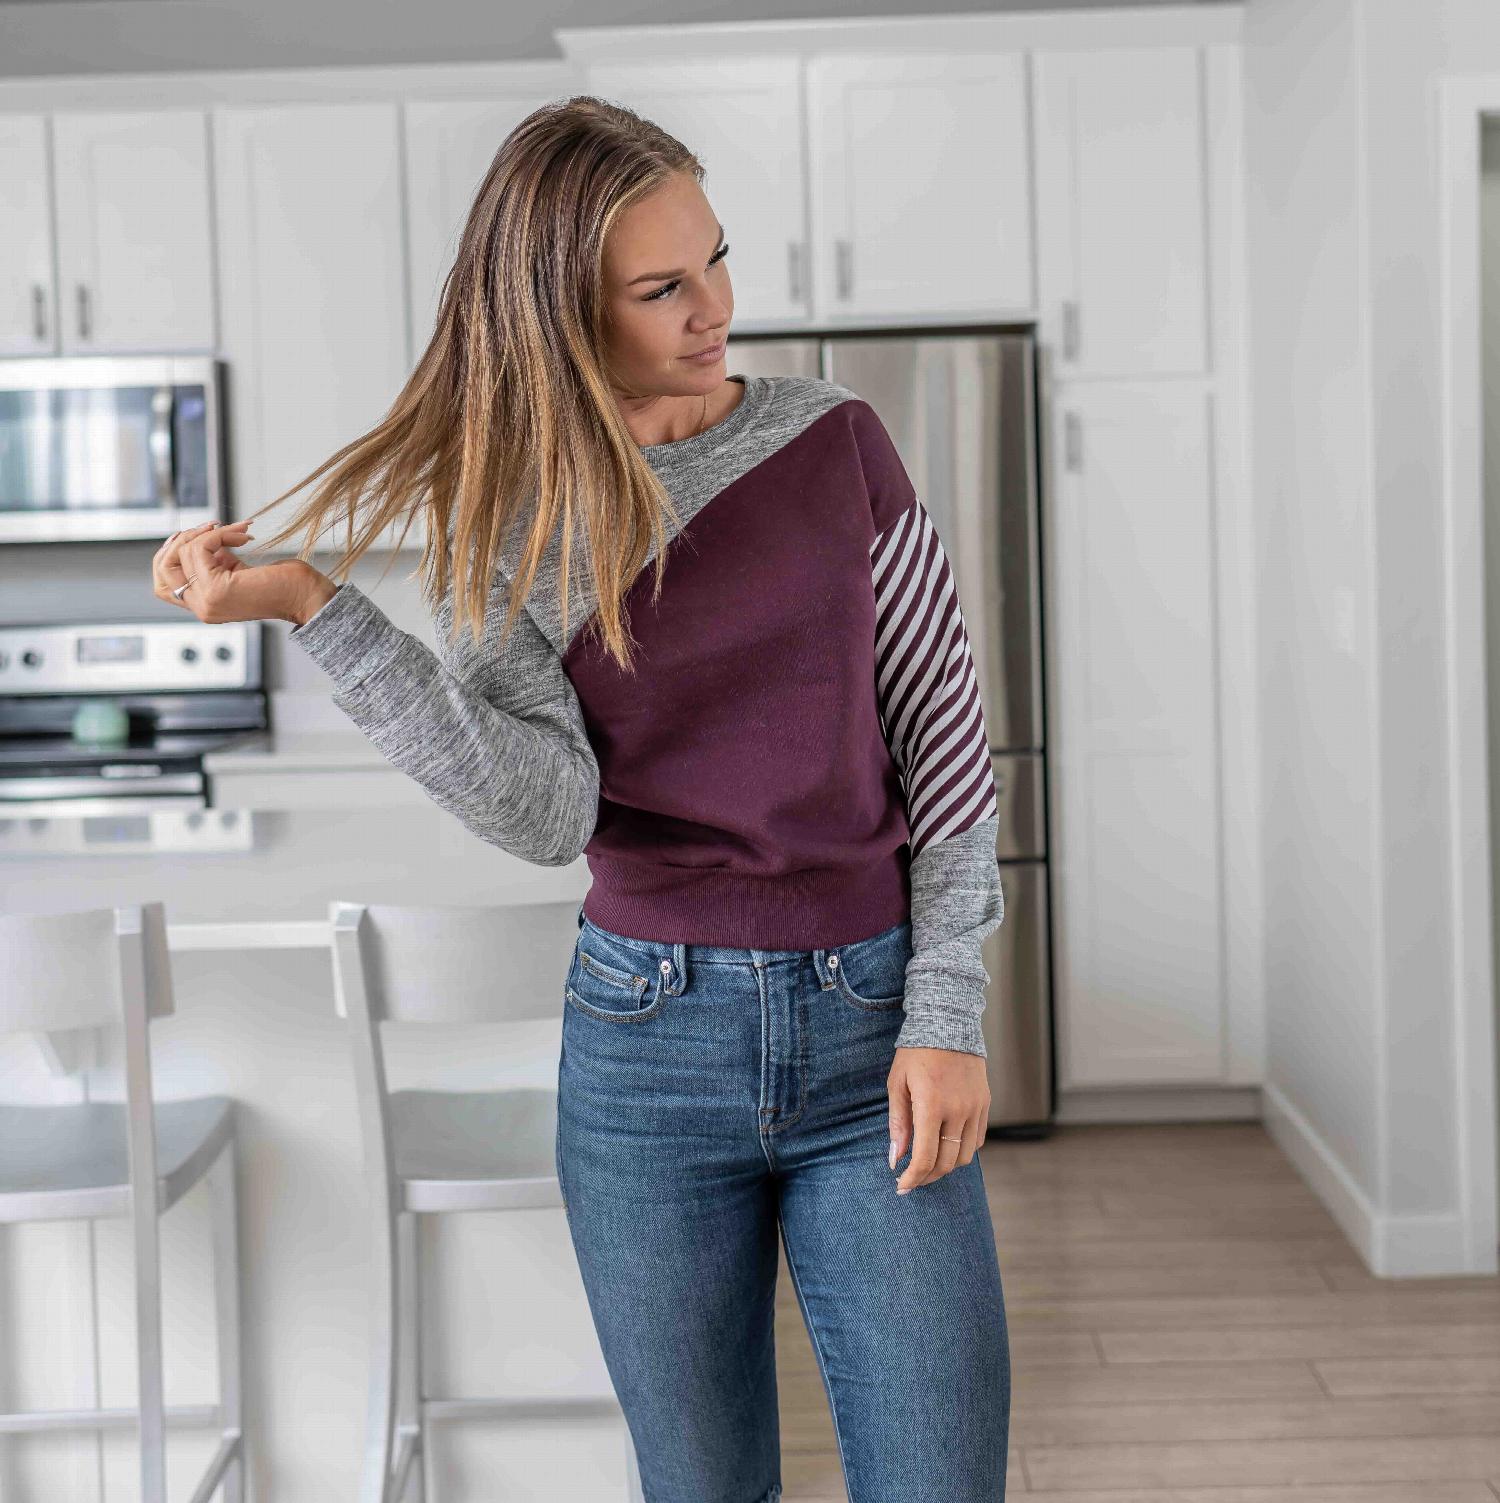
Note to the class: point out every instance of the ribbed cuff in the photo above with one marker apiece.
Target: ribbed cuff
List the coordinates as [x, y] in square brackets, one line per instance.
[942, 1028]
[349, 637]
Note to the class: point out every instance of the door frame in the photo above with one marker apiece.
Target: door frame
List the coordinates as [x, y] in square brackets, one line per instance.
[1464, 103]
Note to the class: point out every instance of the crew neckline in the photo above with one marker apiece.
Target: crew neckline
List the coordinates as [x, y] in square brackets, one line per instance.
[757, 389]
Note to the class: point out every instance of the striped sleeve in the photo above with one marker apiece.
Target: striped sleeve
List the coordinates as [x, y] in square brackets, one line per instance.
[928, 694]
[926, 684]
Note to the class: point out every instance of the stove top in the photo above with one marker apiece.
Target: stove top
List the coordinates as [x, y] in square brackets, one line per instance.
[44, 753]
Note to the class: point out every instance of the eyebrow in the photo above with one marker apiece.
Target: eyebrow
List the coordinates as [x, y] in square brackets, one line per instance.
[666, 276]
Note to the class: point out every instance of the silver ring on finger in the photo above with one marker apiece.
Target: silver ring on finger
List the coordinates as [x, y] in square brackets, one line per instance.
[177, 593]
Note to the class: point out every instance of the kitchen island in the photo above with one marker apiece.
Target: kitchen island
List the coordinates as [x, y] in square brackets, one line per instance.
[328, 819]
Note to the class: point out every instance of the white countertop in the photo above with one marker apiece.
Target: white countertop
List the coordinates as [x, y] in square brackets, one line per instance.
[298, 751]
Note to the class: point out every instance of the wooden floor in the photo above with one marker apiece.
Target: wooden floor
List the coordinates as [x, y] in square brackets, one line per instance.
[1188, 1325]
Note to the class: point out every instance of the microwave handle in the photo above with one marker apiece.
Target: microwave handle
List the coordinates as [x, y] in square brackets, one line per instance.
[162, 475]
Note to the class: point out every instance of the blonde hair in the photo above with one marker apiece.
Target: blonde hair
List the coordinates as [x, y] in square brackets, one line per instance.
[508, 416]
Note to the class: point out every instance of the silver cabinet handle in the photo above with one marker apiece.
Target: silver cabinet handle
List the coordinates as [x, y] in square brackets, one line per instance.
[844, 267]
[1070, 330]
[794, 269]
[84, 329]
[39, 311]
[1072, 443]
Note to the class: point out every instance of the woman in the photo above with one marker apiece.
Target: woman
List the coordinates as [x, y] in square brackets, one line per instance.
[775, 763]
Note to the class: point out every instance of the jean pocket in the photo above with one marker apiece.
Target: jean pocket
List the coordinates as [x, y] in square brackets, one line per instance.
[871, 973]
[603, 990]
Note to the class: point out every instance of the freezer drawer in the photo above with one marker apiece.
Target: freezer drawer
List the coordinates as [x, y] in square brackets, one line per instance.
[1017, 1019]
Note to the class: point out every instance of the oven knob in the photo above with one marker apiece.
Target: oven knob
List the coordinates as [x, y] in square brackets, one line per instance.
[223, 653]
[32, 658]
[189, 654]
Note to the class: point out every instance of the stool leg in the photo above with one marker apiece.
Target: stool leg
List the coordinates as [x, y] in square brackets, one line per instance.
[380, 1405]
[409, 1349]
[151, 1402]
[227, 1298]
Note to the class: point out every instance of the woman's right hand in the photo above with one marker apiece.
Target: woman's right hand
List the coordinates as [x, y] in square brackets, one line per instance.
[224, 588]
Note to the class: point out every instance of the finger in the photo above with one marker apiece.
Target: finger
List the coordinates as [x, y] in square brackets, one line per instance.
[924, 1148]
[899, 1118]
[950, 1145]
[165, 558]
[167, 571]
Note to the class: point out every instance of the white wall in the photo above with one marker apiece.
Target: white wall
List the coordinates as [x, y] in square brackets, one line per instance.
[1309, 361]
[1341, 134]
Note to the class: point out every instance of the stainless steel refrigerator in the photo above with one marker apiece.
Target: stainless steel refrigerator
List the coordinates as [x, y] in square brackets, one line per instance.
[961, 408]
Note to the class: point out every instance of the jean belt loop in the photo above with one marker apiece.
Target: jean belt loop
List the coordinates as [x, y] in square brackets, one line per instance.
[579, 916]
[679, 961]
[820, 965]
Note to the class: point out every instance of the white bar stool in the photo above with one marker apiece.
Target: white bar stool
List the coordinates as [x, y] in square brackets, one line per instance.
[65, 972]
[435, 1152]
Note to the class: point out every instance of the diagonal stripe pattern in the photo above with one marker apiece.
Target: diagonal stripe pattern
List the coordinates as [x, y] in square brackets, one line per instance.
[926, 685]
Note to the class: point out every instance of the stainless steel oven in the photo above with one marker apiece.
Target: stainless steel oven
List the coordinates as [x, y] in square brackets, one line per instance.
[109, 446]
[73, 781]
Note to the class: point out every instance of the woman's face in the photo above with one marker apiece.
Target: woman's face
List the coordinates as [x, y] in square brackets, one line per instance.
[667, 292]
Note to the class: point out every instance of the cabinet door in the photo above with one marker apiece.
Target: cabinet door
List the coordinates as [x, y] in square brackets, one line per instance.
[134, 248]
[1121, 211]
[314, 279]
[28, 309]
[450, 144]
[1134, 791]
[921, 187]
[744, 121]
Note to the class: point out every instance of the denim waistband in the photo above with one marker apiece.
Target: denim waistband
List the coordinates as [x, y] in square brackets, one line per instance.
[680, 956]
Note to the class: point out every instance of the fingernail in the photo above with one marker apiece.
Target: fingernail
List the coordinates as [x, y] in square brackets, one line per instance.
[892, 1155]
[903, 1189]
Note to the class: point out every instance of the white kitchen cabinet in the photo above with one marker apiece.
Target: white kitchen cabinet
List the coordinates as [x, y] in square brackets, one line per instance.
[744, 120]
[28, 302]
[1134, 754]
[921, 187]
[450, 145]
[1121, 219]
[134, 239]
[314, 292]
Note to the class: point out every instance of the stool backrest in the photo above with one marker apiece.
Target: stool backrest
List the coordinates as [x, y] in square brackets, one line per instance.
[395, 963]
[83, 969]
[400, 963]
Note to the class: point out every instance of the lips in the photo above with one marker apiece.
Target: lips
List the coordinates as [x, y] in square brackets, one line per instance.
[712, 349]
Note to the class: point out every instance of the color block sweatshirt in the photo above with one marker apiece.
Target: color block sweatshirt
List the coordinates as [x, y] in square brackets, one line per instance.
[799, 759]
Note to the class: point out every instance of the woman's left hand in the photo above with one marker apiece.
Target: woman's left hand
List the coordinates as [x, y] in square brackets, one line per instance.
[936, 1095]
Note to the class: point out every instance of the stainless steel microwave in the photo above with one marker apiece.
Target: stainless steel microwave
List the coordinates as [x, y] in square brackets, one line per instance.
[109, 446]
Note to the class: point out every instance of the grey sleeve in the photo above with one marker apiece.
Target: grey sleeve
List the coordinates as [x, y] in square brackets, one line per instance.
[494, 737]
[956, 902]
[933, 720]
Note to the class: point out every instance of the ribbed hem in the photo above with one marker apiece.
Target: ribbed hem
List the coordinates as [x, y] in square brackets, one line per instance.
[804, 910]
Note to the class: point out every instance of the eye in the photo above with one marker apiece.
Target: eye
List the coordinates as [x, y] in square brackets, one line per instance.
[663, 291]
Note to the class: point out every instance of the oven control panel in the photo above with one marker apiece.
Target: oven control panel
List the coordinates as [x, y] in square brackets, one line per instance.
[136, 657]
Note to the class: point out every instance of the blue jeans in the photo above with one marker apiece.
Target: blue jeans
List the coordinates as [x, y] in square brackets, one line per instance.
[708, 1095]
